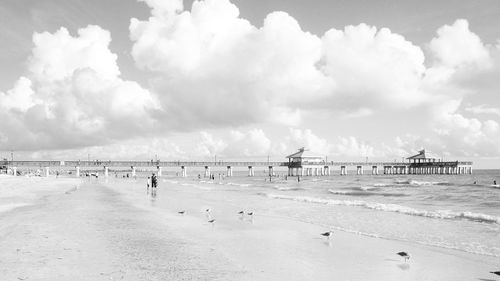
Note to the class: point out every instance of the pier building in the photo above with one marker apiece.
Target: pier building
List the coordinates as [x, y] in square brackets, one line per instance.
[306, 163]
[427, 163]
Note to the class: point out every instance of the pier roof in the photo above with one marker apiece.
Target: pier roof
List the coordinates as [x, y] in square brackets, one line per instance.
[303, 153]
[422, 154]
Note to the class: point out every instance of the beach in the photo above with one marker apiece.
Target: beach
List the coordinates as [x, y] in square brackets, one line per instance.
[115, 230]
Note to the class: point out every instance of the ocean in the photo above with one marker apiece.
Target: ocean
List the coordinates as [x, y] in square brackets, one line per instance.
[447, 211]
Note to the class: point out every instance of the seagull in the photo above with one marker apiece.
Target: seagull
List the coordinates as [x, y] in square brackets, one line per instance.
[495, 272]
[250, 214]
[182, 212]
[327, 234]
[211, 221]
[241, 212]
[405, 255]
[208, 213]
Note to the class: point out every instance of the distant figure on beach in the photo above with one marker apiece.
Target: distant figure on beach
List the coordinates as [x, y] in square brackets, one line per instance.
[147, 183]
[199, 177]
[154, 182]
[475, 182]
[57, 174]
[494, 182]
[97, 175]
[298, 179]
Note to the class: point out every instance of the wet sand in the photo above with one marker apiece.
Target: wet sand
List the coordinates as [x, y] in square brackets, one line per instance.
[90, 234]
[116, 232]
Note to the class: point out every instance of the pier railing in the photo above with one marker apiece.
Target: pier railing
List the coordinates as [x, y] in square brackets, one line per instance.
[142, 163]
[138, 164]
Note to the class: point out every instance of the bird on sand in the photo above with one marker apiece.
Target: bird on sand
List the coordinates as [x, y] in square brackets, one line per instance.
[208, 213]
[327, 234]
[405, 255]
[241, 212]
[250, 213]
[211, 221]
[495, 272]
[182, 212]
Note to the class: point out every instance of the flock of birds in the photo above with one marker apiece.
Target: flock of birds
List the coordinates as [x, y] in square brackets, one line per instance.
[327, 234]
[406, 256]
[212, 220]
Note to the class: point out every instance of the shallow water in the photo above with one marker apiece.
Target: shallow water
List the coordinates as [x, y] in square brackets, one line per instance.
[448, 211]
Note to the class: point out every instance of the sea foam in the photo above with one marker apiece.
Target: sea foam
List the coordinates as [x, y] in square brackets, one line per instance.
[438, 214]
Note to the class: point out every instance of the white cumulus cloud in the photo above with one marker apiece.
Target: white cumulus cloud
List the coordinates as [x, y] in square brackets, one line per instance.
[73, 96]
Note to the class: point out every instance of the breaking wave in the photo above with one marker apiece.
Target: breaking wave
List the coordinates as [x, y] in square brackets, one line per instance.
[365, 193]
[420, 183]
[439, 214]
[367, 188]
[288, 188]
[381, 185]
[239, 184]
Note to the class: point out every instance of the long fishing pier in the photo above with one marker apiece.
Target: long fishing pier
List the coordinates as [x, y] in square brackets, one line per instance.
[304, 167]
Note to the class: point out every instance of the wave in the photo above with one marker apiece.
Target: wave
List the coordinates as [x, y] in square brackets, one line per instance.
[239, 184]
[366, 188]
[381, 185]
[365, 193]
[439, 214]
[420, 183]
[288, 188]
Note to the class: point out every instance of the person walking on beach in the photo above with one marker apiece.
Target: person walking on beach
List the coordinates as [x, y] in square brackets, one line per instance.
[495, 182]
[154, 182]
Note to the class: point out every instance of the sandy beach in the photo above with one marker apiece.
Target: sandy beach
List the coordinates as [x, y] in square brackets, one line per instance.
[115, 231]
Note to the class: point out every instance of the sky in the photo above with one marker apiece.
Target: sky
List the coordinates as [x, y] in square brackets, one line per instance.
[250, 79]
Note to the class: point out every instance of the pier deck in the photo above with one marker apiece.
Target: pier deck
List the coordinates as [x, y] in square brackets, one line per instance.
[294, 168]
[211, 164]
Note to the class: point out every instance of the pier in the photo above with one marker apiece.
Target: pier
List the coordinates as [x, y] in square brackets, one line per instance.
[303, 169]
[301, 163]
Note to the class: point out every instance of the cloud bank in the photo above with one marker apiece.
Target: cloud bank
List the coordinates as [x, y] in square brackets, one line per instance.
[72, 95]
[211, 69]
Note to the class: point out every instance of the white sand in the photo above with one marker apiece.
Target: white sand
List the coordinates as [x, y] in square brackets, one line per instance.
[98, 233]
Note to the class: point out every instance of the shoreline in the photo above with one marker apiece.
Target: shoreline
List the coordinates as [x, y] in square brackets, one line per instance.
[120, 233]
[441, 262]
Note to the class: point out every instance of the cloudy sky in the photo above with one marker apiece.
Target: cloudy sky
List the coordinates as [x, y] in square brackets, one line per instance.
[349, 79]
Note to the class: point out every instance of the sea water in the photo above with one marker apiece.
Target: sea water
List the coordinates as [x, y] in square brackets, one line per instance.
[459, 212]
